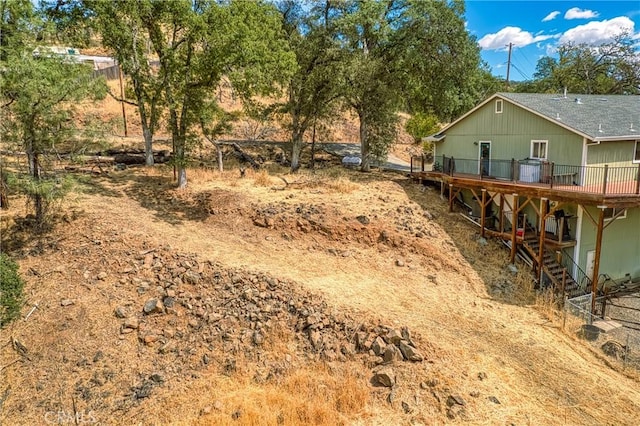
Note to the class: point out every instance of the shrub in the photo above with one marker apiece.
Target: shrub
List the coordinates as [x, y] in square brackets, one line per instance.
[11, 286]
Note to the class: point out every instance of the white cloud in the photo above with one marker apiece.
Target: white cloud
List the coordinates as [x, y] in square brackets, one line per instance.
[515, 35]
[598, 32]
[551, 16]
[577, 13]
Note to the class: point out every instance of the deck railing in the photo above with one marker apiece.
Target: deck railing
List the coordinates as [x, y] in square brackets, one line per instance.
[604, 180]
[579, 276]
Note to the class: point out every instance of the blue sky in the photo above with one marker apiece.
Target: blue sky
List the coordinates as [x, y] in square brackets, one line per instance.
[536, 28]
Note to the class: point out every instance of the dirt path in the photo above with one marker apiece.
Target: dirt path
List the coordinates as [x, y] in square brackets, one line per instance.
[491, 350]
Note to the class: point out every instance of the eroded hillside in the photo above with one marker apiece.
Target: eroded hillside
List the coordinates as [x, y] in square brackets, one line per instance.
[261, 301]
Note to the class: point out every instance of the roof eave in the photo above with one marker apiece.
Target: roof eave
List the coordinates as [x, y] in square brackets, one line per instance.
[616, 138]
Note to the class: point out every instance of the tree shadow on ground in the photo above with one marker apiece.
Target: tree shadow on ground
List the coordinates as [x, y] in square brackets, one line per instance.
[153, 191]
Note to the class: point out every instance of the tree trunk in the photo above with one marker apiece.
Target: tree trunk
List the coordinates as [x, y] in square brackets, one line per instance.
[296, 149]
[312, 162]
[148, 143]
[144, 121]
[181, 164]
[219, 154]
[182, 177]
[36, 196]
[364, 143]
[4, 189]
[297, 136]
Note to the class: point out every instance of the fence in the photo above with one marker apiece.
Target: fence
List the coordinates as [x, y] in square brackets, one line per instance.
[604, 180]
[621, 343]
[110, 73]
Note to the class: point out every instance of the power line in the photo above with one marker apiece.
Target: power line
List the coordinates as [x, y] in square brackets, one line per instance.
[526, 58]
[520, 72]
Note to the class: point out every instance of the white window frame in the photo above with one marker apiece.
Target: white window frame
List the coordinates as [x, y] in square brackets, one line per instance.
[546, 149]
[499, 106]
[636, 153]
[614, 211]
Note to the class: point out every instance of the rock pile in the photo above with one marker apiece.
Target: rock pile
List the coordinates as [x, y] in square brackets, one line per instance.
[202, 312]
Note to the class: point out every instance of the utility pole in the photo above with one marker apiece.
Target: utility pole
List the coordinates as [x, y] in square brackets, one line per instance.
[509, 63]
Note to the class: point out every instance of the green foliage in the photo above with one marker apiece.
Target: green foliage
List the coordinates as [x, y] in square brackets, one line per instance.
[407, 54]
[610, 68]
[199, 43]
[421, 125]
[38, 94]
[314, 88]
[11, 287]
[382, 134]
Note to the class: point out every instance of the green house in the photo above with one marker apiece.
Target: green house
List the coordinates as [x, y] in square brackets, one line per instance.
[557, 176]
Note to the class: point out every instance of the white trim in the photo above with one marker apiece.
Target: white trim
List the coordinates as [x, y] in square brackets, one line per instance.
[546, 149]
[499, 102]
[479, 154]
[576, 251]
[614, 211]
[636, 151]
[585, 155]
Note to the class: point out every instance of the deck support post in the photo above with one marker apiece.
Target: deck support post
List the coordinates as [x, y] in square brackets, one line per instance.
[514, 227]
[483, 212]
[450, 198]
[596, 263]
[543, 213]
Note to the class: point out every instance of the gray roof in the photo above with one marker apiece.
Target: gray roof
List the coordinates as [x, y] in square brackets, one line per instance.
[596, 117]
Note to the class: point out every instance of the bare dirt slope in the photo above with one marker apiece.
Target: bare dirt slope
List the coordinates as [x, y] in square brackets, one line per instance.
[360, 250]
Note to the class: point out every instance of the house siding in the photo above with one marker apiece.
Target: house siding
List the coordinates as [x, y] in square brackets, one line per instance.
[620, 244]
[510, 134]
[614, 153]
[618, 154]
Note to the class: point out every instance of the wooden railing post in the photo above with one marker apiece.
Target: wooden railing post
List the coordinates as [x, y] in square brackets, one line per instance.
[451, 166]
[604, 180]
[638, 180]
[513, 169]
[551, 173]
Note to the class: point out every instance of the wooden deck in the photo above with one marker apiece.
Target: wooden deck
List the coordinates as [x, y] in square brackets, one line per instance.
[615, 196]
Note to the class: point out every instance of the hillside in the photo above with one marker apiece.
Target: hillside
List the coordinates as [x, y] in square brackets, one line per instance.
[251, 301]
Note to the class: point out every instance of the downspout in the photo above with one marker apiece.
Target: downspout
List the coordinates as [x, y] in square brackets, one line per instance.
[580, 212]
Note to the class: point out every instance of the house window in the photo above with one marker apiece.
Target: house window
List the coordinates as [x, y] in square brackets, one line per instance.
[539, 150]
[499, 106]
[636, 153]
[610, 213]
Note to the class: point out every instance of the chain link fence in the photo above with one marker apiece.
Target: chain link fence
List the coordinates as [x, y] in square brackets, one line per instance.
[621, 340]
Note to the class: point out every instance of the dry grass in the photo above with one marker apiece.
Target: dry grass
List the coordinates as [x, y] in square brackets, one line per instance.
[313, 395]
[443, 294]
[260, 177]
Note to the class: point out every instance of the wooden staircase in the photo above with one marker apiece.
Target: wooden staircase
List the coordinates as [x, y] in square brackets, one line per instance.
[552, 268]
